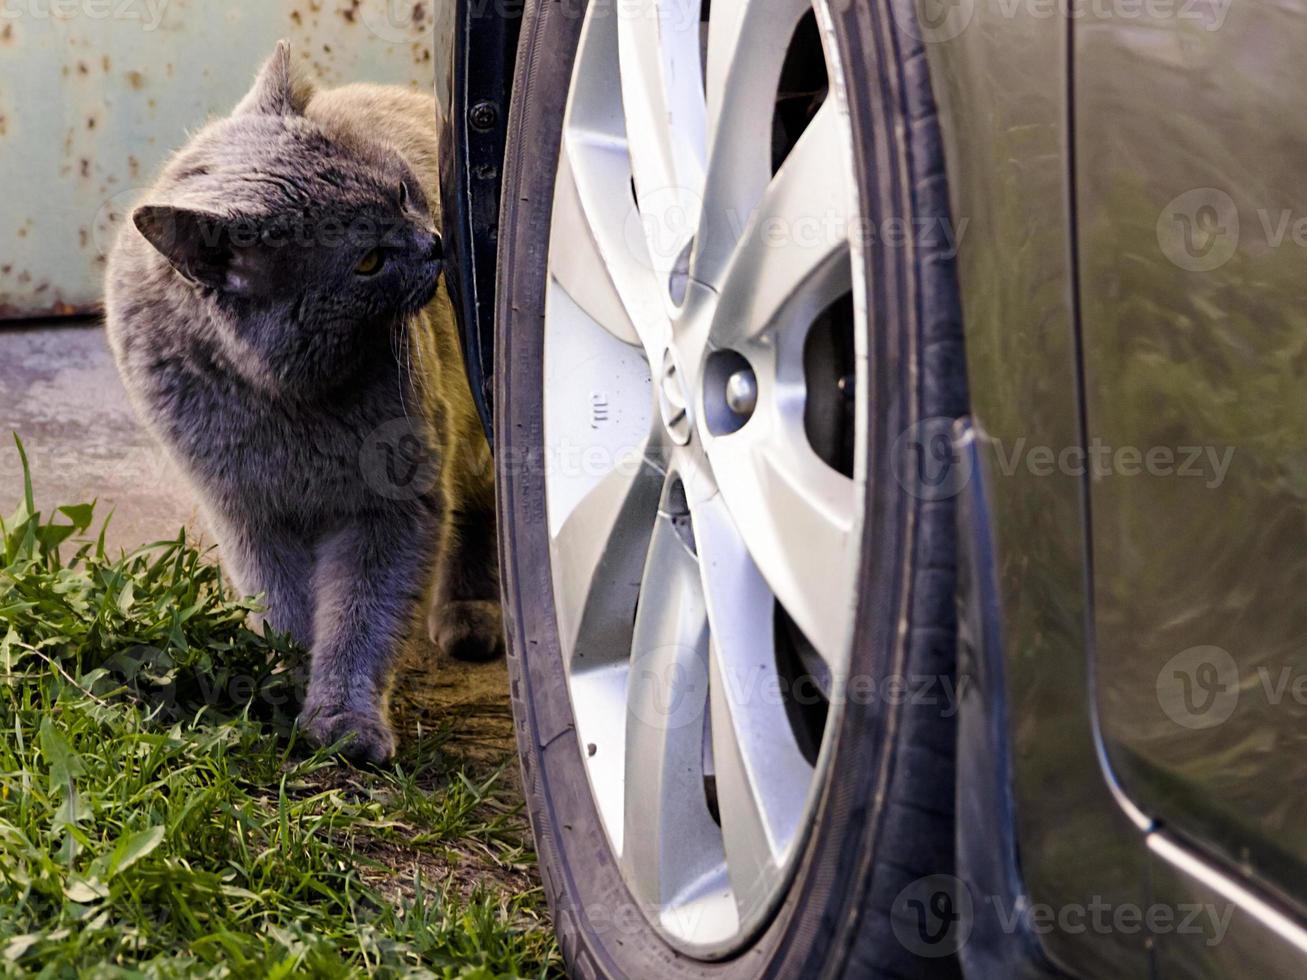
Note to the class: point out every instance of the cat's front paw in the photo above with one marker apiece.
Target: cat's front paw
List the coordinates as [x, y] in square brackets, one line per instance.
[369, 738]
[468, 629]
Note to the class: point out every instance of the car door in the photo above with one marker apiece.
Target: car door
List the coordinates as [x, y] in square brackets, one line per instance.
[1190, 139]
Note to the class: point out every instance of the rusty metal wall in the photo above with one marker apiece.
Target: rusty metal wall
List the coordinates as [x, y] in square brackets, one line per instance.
[94, 94]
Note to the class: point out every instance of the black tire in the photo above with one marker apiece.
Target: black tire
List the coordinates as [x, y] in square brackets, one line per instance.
[886, 819]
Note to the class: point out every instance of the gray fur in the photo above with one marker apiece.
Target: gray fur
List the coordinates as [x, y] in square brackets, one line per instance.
[298, 395]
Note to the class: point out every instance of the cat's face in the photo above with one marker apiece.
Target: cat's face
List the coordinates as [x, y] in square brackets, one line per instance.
[314, 248]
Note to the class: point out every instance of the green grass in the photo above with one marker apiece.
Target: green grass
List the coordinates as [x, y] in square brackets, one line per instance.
[159, 818]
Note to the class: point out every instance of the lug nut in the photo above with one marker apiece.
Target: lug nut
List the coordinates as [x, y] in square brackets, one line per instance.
[742, 392]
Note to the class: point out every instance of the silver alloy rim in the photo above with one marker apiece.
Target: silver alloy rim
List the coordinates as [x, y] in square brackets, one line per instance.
[685, 500]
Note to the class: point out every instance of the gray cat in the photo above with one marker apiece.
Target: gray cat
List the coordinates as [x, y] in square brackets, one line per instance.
[275, 314]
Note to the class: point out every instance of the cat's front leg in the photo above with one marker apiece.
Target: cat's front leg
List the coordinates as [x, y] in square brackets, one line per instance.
[372, 579]
[277, 564]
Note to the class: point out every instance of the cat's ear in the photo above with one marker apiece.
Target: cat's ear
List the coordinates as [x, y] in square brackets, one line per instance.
[278, 91]
[199, 245]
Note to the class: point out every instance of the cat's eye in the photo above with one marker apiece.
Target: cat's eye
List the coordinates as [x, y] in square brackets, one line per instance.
[371, 263]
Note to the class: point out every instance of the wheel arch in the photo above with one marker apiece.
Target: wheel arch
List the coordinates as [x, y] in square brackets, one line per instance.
[474, 97]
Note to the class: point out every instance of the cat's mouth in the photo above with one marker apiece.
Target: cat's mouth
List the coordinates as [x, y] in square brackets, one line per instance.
[425, 291]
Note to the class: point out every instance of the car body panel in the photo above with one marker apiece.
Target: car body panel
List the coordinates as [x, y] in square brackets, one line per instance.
[1191, 210]
[1000, 80]
[1209, 926]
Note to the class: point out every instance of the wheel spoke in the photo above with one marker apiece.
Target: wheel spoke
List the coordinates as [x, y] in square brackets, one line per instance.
[747, 42]
[761, 773]
[594, 256]
[599, 552]
[792, 259]
[797, 517]
[589, 258]
[662, 94]
[670, 842]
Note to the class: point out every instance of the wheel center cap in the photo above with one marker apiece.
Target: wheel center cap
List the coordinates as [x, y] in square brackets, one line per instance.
[674, 402]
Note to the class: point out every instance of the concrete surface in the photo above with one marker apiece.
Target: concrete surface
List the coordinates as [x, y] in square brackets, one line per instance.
[59, 390]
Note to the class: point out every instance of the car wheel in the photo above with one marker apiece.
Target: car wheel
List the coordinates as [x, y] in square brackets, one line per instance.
[726, 322]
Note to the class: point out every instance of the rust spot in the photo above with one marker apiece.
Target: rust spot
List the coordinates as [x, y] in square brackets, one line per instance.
[86, 167]
[6, 269]
[22, 233]
[136, 80]
[43, 288]
[7, 34]
[4, 124]
[106, 64]
[24, 277]
[84, 237]
[90, 122]
[296, 18]
[8, 311]
[326, 48]
[419, 13]
[134, 166]
[350, 13]
[82, 69]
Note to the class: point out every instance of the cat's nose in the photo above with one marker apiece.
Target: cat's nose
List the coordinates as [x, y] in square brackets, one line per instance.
[436, 250]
